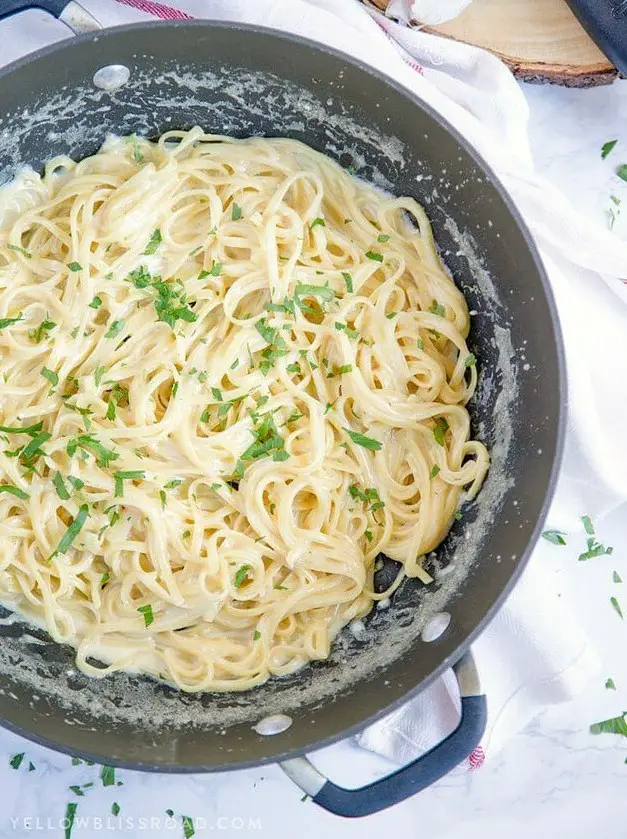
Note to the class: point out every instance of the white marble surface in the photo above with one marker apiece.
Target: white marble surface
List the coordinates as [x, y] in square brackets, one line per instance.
[553, 776]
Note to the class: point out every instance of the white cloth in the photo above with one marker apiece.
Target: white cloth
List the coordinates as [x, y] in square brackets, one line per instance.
[430, 12]
[533, 653]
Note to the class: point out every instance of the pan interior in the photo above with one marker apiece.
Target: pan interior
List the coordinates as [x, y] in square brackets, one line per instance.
[228, 84]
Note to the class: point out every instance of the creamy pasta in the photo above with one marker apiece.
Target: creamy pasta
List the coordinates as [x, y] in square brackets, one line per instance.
[232, 375]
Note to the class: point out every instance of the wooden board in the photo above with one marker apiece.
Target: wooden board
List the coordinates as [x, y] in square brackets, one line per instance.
[541, 40]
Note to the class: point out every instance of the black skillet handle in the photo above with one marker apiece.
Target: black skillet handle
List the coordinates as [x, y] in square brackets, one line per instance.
[410, 779]
[68, 11]
[606, 23]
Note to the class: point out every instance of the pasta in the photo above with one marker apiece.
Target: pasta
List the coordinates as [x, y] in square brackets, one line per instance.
[233, 375]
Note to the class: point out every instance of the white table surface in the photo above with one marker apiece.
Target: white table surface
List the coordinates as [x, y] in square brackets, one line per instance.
[553, 776]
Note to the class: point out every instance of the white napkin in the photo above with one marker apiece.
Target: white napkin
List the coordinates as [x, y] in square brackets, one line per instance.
[533, 653]
[430, 12]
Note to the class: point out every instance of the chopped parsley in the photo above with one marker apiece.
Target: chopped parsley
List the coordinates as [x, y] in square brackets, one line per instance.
[188, 827]
[21, 250]
[470, 360]
[32, 430]
[383, 237]
[276, 345]
[343, 327]
[16, 760]
[105, 579]
[33, 448]
[612, 213]
[437, 309]
[129, 475]
[164, 498]
[75, 266]
[115, 808]
[173, 484]
[277, 307]
[147, 612]
[366, 496]
[96, 303]
[615, 725]
[107, 776]
[11, 490]
[41, 333]
[324, 292]
[616, 578]
[293, 417]
[50, 376]
[236, 212]
[171, 302]
[616, 607]
[72, 532]
[434, 471]
[609, 684]
[587, 525]
[318, 222]
[118, 395]
[365, 442]
[153, 244]
[391, 315]
[88, 443]
[440, 429]
[114, 329]
[70, 812]
[344, 368]
[241, 576]
[215, 271]
[368, 535]
[376, 257]
[293, 368]
[606, 148]
[140, 277]
[60, 487]
[594, 549]
[256, 635]
[621, 171]
[4, 322]
[267, 441]
[555, 537]
[217, 394]
[420, 344]
[138, 157]
[348, 281]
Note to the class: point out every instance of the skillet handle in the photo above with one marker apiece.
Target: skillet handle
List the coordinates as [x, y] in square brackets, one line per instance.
[606, 23]
[68, 11]
[409, 780]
